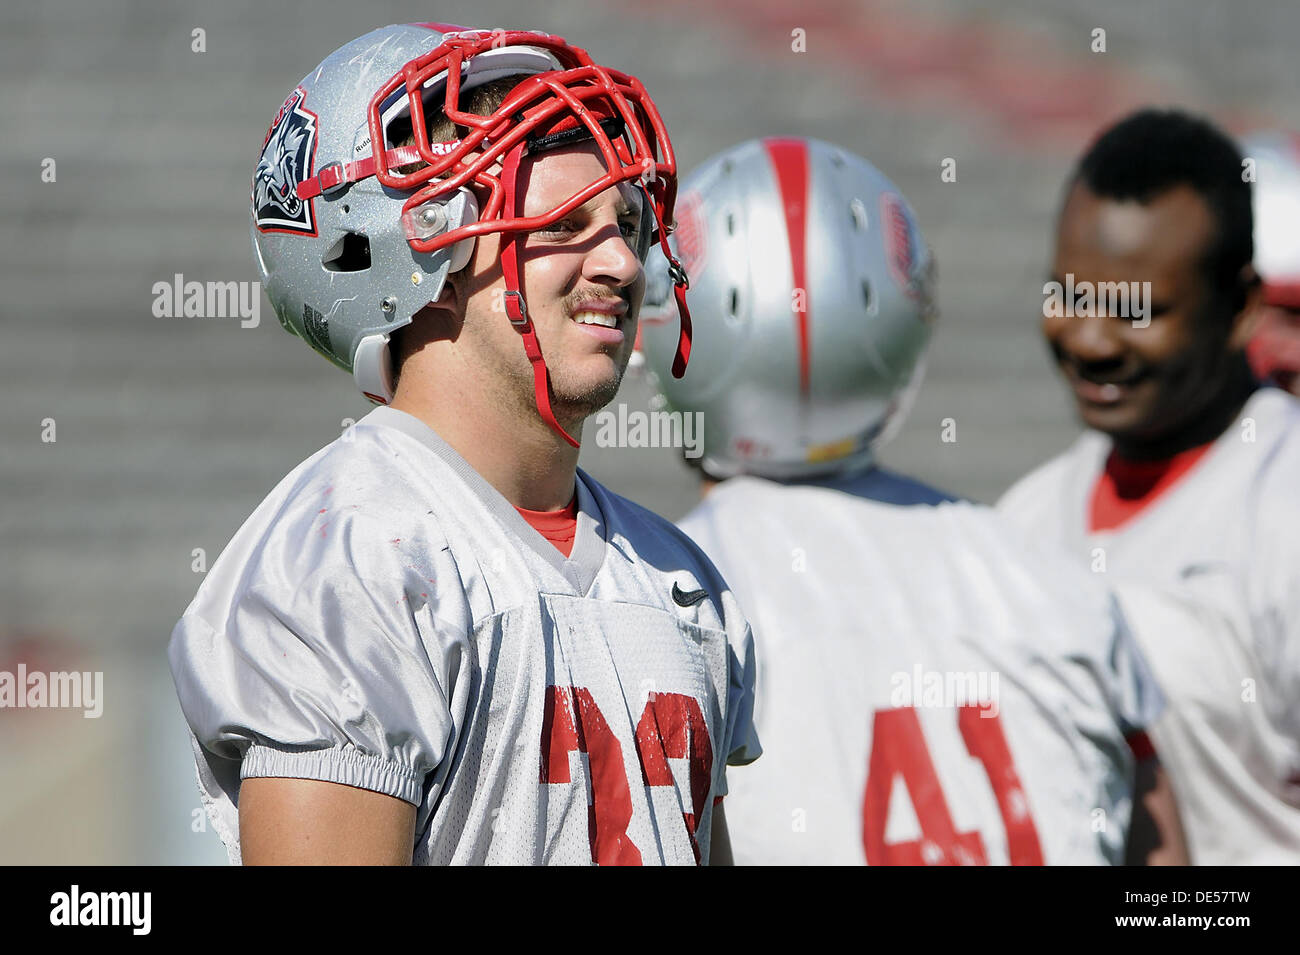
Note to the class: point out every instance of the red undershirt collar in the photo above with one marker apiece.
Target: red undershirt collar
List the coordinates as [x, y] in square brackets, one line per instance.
[559, 527]
[1125, 488]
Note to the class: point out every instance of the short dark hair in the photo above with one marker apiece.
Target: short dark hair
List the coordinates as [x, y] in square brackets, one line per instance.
[482, 100]
[1154, 150]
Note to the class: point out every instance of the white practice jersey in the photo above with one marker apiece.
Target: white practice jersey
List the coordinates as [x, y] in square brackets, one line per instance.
[931, 689]
[1216, 608]
[386, 620]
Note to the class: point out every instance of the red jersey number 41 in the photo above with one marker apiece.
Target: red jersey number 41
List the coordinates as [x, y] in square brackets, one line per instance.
[898, 747]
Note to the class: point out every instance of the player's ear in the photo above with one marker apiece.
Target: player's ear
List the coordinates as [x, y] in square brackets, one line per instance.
[438, 321]
[441, 320]
[1250, 298]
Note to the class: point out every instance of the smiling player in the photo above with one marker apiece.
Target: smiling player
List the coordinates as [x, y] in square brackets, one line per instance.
[437, 640]
[1187, 477]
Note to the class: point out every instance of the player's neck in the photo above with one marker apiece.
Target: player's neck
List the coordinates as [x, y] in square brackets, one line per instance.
[512, 449]
[1216, 418]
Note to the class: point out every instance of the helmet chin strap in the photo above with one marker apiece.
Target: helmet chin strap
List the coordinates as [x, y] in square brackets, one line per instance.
[681, 282]
[516, 308]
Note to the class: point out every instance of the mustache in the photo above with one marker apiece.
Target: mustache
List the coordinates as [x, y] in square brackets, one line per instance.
[576, 301]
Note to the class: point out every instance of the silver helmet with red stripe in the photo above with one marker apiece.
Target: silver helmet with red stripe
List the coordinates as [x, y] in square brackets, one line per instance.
[1274, 351]
[358, 217]
[813, 296]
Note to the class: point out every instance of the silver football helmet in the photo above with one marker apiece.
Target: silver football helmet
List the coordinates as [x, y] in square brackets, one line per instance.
[350, 246]
[813, 294]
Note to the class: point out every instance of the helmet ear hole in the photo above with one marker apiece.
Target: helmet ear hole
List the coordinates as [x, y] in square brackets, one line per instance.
[351, 253]
[858, 213]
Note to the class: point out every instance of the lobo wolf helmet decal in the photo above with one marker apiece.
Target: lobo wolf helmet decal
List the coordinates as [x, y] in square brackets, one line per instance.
[288, 153]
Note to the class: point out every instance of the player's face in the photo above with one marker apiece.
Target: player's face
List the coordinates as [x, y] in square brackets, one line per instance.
[582, 282]
[1140, 384]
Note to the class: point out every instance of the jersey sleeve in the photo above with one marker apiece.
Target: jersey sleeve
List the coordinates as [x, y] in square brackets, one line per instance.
[743, 746]
[327, 660]
[1273, 598]
[1282, 633]
[1099, 625]
[1136, 695]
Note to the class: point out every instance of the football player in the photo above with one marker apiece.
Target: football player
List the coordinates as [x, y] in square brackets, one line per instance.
[1186, 476]
[933, 688]
[437, 640]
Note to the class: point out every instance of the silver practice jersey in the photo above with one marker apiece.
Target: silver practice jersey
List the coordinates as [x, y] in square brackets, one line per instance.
[386, 619]
[1207, 573]
[932, 688]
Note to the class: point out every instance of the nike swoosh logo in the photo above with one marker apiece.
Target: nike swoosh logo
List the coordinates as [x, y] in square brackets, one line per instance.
[1209, 567]
[688, 598]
